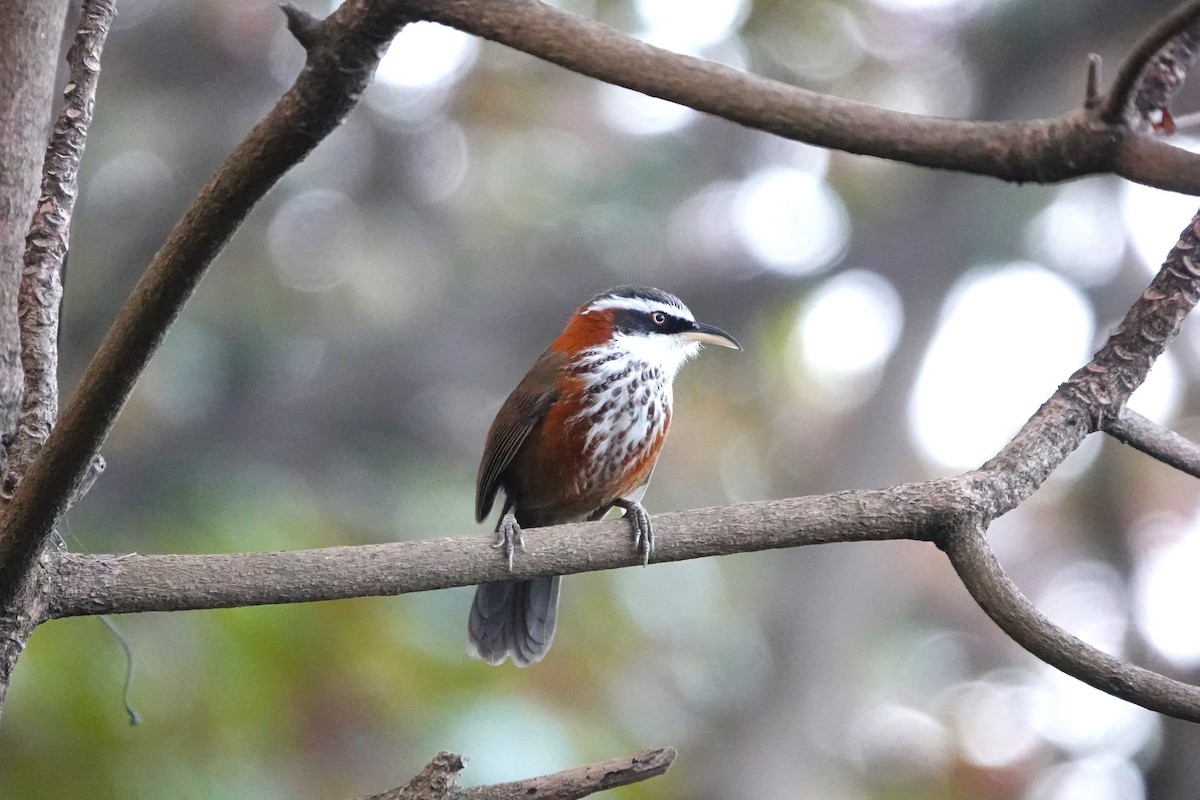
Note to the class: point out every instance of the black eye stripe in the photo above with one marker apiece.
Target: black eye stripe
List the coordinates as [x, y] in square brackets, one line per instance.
[628, 320]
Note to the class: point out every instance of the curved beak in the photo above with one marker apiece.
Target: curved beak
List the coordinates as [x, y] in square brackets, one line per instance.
[710, 334]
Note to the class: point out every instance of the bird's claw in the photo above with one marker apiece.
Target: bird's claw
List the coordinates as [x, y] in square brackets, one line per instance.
[643, 529]
[508, 537]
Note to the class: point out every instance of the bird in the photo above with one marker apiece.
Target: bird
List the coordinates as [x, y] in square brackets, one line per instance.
[579, 436]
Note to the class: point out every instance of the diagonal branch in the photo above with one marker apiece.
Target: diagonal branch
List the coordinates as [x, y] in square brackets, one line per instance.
[341, 61]
[1000, 598]
[1097, 392]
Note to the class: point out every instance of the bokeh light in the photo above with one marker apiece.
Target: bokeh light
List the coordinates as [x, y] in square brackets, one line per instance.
[824, 44]
[791, 220]
[1088, 599]
[1007, 337]
[487, 728]
[898, 742]
[640, 114]
[960, 7]
[1168, 593]
[132, 180]
[1096, 778]
[695, 22]
[315, 240]
[333, 379]
[995, 719]
[1086, 721]
[1080, 234]
[427, 55]
[844, 334]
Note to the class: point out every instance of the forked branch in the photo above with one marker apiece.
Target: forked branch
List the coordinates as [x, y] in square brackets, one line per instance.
[342, 54]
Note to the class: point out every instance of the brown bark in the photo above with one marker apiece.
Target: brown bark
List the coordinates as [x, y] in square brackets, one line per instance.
[439, 779]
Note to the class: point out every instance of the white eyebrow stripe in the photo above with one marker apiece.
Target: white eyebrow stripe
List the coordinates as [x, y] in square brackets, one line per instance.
[639, 304]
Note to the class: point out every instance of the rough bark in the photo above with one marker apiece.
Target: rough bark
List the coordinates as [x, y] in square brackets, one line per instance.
[439, 779]
[30, 36]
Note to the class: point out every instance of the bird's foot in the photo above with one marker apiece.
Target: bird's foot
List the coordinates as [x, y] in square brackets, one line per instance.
[508, 536]
[643, 529]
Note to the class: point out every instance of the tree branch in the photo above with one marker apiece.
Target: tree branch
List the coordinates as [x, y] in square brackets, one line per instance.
[48, 240]
[341, 60]
[436, 780]
[439, 779]
[31, 37]
[342, 52]
[1093, 394]
[1154, 71]
[105, 584]
[1098, 391]
[1000, 598]
[1154, 440]
[38, 302]
[1077, 143]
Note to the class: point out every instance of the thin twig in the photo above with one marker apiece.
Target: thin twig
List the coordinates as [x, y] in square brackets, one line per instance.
[1092, 97]
[1156, 441]
[303, 26]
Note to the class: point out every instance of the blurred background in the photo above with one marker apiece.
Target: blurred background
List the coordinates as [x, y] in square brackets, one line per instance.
[332, 381]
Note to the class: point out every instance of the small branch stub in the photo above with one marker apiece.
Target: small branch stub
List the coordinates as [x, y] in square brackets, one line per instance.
[304, 26]
[1092, 96]
[439, 779]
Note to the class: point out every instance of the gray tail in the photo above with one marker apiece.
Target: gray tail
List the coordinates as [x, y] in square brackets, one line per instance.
[513, 619]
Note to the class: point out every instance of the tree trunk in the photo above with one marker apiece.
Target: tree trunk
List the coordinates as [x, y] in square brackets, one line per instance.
[31, 34]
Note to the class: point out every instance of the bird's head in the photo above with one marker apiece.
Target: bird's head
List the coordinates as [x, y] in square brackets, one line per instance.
[644, 324]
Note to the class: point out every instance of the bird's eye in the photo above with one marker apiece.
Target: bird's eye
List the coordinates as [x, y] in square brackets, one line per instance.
[658, 318]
